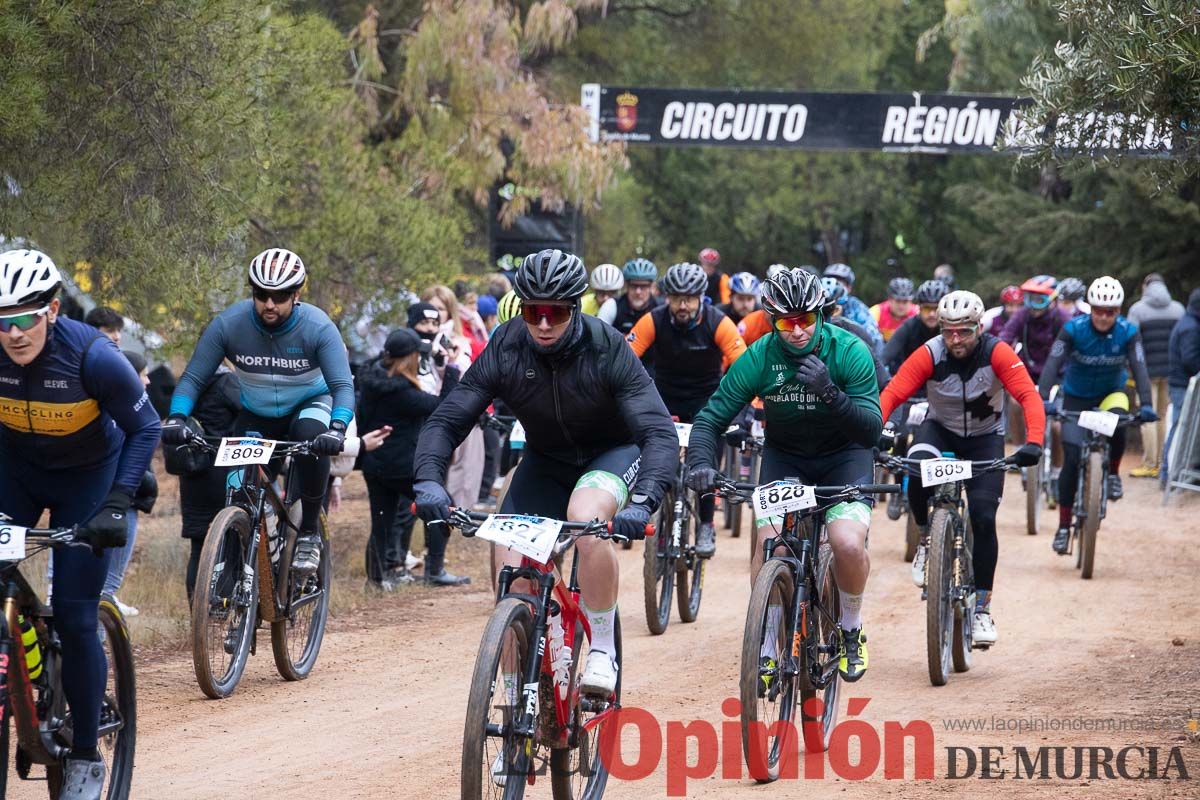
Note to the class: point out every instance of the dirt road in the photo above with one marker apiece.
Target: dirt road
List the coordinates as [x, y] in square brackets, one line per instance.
[381, 717]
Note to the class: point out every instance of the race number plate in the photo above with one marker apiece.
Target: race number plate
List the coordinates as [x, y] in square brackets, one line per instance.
[684, 429]
[12, 542]
[516, 437]
[936, 471]
[1102, 422]
[916, 414]
[242, 451]
[529, 536]
[781, 497]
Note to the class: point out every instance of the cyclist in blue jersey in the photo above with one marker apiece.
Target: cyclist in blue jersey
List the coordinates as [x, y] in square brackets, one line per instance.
[1096, 347]
[77, 432]
[294, 374]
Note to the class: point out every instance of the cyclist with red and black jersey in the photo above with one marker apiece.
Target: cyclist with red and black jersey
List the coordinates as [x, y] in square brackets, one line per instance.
[692, 344]
[599, 441]
[897, 309]
[965, 374]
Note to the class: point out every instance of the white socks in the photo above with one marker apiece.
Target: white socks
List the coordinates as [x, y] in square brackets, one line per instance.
[603, 629]
[851, 617]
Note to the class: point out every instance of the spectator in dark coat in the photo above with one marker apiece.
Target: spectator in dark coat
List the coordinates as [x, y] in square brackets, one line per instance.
[1184, 358]
[392, 396]
[1155, 314]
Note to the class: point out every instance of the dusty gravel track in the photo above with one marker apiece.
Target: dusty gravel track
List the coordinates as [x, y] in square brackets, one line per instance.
[381, 716]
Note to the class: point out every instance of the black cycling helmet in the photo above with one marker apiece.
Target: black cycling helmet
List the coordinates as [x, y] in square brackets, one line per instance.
[792, 292]
[840, 271]
[931, 293]
[900, 289]
[688, 279]
[1071, 289]
[550, 275]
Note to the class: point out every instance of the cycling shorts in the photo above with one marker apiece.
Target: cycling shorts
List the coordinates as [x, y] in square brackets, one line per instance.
[850, 465]
[933, 440]
[542, 486]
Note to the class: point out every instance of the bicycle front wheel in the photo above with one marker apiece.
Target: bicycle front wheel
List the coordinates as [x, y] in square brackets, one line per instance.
[494, 762]
[689, 580]
[296, 636]
[118, 711]
[658, 568]
[939, 609]
[578, 772]
[768, 689]
[819, 705]
[1093, 486]
[224, 605]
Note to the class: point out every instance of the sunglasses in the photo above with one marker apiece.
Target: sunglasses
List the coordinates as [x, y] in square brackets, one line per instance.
[788, 324]
[23, 322]
[1037, 300]
[958, 333]
[278, 298]
[929, 308]
[554, 314]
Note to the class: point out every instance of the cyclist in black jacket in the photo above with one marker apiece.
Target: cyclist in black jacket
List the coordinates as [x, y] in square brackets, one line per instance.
[599, 441]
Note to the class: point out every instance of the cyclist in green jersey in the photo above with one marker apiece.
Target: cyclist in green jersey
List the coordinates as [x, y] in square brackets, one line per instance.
[821, 400]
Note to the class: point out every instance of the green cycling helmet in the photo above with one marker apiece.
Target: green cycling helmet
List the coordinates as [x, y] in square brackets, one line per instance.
[508, 307]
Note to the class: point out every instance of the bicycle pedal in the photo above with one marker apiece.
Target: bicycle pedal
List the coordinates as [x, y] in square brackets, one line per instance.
[924, 595]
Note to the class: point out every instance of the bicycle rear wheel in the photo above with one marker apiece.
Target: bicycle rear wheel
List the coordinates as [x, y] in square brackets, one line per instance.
[768, 691]
[819, 706]
[658, 568]
[939, 610]
[224, 605]
[118, 711]
[296, 638]
[493, 759]
[578, 772]
[1093, 486]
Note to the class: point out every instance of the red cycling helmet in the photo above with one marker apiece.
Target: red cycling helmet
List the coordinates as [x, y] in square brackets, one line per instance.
[1040, 284]
[710, 255]
[1011, 294]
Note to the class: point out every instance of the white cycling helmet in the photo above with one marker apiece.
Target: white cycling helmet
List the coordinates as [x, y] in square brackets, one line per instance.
[960, 308]
[27, 277]
[774, 270]
[277, 269]
[608, 278]
[1106, 292]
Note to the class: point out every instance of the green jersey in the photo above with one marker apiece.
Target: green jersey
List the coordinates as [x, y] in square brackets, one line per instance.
[797, 422]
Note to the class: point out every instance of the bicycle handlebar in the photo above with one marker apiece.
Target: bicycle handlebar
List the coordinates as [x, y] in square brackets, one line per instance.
[461, 518]
[728, 488]
[913, 465]
[208, 444]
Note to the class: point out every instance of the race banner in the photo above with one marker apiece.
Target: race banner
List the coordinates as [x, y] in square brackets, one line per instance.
[903, 123]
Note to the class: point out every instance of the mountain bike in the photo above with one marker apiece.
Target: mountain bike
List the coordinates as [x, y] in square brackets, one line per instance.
[525, 702]
[669, 562]
[949, 592]
[795, 586]
[1091, 494]
[245, 574]
[31, 692]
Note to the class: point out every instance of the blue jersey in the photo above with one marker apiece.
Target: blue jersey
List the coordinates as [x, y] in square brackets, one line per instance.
[78, 406]
[279, 369]
[1096, 361]
[856, 311]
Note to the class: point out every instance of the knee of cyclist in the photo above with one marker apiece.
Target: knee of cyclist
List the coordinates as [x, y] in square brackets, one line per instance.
[75, 620]
[983, 515]
[305, 430]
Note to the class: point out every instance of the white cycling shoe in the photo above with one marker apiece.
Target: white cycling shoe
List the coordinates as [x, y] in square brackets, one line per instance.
[983, 629]
[918, 565]
[599, 674]
[499, 778]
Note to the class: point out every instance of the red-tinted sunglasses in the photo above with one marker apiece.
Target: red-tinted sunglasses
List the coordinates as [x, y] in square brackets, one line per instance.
[553, 313]
[788, 324]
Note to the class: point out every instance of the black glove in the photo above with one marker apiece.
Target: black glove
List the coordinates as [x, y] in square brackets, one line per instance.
[109, 527]
[1027, 454]
[813, 374]
[631, 521]
[887, 438]
[175, 430]
[736, 436]
[702, 479]
[1050, 407]
[147, 493]
[1147, 414]
[433, 504]
[330, 442]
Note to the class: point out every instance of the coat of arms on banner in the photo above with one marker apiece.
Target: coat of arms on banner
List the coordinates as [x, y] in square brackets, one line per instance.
[626, 111]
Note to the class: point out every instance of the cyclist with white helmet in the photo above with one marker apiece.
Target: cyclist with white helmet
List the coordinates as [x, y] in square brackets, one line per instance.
[743, 297]
[897, 309]
[600, 444]
[1095, 350]
[854, 309]
[821, 404]
[606, 284]
[77, 433]
[294, 375]
[965, 373]
[693, 344]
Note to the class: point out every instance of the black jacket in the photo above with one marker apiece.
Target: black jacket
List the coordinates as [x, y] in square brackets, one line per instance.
[395, 401]
[911, 334]
[1185, 345]
[575, 405]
